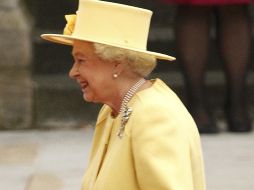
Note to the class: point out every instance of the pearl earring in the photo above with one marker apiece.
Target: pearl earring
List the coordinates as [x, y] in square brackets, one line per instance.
[115, 75]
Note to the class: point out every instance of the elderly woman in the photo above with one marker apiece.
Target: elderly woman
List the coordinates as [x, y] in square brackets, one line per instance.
[144, 139]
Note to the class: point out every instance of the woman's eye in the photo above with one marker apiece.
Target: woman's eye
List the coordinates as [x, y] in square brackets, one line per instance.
[80, 61]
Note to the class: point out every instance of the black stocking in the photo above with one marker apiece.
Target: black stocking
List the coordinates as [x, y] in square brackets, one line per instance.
[192, 41]
[234, 32]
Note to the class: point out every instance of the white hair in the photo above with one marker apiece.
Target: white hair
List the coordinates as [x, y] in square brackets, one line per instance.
[141, 64]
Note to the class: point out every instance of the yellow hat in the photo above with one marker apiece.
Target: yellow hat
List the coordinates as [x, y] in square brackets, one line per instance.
[108, 23]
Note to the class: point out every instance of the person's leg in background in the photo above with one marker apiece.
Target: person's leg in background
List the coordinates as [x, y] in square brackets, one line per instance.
[192, 44]
[234, 32]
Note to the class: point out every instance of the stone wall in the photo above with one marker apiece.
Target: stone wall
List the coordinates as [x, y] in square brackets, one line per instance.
[16, 87]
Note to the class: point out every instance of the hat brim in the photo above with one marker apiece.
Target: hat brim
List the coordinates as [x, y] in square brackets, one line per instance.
[68, 40]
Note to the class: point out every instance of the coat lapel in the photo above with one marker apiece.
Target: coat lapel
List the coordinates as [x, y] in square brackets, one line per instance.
[104, 127]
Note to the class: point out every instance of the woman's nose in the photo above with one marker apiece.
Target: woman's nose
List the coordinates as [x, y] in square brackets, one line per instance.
[73, 73]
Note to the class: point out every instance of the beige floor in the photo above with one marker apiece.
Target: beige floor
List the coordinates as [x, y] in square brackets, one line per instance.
[55, 160]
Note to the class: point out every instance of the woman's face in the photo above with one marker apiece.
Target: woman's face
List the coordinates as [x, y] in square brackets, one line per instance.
[92, 73]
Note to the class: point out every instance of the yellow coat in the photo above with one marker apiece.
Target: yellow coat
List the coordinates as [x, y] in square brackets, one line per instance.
[160, 148]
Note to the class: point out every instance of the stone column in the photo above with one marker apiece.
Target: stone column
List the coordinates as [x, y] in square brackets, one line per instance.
[16, 87]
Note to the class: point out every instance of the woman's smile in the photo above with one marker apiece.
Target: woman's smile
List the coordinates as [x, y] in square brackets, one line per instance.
[83, 85]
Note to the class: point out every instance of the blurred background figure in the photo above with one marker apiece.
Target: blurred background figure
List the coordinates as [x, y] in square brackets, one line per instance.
[233, 33]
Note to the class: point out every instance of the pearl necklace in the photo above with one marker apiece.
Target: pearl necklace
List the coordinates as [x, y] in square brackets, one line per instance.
[125, 110]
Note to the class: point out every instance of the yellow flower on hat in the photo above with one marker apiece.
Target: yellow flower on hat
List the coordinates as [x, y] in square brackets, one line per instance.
[69, 27]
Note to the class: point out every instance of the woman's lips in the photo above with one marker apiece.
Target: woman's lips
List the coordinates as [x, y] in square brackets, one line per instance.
[83, 86]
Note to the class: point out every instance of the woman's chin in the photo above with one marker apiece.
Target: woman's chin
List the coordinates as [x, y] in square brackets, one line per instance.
[87, 98]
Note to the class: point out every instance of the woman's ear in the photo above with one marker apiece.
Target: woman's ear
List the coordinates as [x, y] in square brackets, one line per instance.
[118, 68]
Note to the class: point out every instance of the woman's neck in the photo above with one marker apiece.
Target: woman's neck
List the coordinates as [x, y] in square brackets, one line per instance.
[130, 87]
